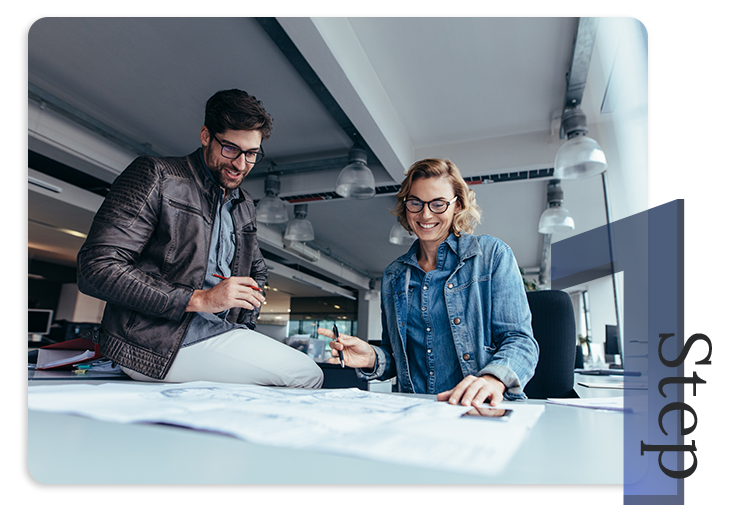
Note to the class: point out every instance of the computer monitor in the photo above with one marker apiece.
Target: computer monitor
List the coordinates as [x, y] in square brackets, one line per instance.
[39, 323]
[612, 340]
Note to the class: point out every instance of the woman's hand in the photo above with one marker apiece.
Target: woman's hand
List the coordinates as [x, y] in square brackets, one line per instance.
[233, 292]
[357, 353]
[475, 391]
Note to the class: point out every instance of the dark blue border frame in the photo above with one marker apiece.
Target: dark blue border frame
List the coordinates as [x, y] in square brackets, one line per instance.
[649, 249]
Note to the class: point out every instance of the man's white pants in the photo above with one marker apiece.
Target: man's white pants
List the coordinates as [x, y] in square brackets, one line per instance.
[241, 356]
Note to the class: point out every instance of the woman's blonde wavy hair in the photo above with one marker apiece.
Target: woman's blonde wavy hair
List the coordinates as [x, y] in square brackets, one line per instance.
[467, 216]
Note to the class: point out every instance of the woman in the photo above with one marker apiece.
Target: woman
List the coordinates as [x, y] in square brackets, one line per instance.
[456, 321]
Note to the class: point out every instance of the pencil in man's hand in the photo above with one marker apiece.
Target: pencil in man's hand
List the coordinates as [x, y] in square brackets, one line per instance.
[226, 278]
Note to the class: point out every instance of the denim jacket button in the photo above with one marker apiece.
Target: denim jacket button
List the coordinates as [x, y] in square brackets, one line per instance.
[457, 320]
[450, 285]
[466, 357]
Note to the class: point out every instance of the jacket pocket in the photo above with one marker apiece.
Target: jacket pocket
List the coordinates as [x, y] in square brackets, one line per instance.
[181, 238]
[249, 228]
[184, 206]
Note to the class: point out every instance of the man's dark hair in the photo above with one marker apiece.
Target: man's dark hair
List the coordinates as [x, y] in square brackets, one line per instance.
[236, 110]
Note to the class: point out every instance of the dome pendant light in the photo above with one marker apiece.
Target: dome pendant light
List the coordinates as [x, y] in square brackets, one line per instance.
[400, 236]
[555, 218]
[356, 179]
[581, 156]
[271, 209]
[300, 229]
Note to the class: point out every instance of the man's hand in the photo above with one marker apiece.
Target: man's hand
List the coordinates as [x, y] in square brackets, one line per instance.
[475, 391]
[234, 292]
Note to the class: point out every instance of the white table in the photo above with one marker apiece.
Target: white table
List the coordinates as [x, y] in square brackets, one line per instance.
[566, 446]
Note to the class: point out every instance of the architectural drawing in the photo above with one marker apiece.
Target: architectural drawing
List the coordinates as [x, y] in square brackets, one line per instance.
[384, 427]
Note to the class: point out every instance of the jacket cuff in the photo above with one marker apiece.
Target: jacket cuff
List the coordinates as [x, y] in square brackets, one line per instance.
[505, 374]
[378, 368]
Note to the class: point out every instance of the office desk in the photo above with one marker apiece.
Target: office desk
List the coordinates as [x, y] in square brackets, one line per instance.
[585, 392]
[566, 446]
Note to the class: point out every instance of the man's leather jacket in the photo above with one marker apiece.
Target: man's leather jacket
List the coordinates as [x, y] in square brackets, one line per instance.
[147, 252]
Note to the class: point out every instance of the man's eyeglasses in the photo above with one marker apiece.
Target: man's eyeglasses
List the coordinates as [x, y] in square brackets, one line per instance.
[436, 206]
[232, 152]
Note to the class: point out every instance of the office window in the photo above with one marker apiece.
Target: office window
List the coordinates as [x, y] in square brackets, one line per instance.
[585, 320]
[307, 326]
[581, 308]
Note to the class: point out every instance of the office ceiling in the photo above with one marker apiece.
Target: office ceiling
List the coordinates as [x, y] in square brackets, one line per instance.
[481, 91]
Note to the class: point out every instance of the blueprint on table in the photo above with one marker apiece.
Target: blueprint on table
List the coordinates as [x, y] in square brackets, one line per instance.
[377, 426]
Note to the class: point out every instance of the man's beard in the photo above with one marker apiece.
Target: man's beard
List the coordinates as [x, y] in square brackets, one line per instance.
[226, 181]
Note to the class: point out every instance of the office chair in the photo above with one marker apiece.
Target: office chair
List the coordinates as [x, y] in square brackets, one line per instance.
[553, 323]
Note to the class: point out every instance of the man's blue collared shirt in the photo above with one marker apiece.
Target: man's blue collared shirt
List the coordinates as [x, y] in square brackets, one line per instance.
[222, 250]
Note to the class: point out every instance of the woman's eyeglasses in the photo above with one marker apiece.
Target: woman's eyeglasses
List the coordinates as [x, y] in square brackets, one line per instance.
[436, 206]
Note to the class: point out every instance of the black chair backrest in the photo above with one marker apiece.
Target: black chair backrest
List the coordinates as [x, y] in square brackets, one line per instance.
[553, 322]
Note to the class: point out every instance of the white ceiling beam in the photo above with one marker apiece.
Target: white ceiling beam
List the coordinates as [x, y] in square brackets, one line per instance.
[271, 240]
[332, 49]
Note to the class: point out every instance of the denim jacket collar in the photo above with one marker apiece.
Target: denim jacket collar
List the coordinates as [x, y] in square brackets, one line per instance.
[465, 247]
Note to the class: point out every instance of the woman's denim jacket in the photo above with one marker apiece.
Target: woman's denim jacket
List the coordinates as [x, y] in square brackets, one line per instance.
[488, 312]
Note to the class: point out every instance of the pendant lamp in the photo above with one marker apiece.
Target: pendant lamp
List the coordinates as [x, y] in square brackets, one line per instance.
[300, 229]
[581, 156]
[356, 179]
[271, 209]
[399, 236]
[555, 218]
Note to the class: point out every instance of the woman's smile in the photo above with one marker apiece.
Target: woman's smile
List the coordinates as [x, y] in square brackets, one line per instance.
[429, 227]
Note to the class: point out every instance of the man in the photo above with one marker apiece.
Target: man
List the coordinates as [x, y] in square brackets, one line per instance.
[174, 253]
